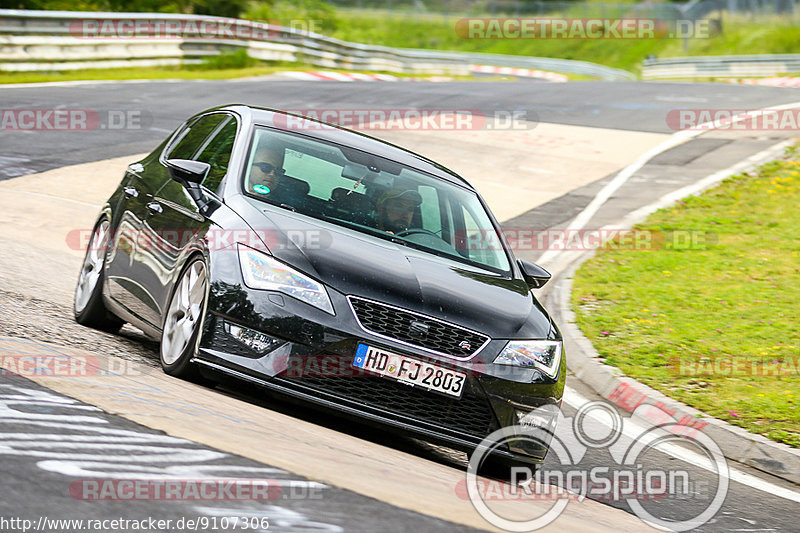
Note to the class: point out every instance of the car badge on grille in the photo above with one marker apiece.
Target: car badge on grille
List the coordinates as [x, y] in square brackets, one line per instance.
[419, 330]
[465, 345]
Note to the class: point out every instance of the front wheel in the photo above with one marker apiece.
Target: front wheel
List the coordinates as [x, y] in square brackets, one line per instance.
[88, 306]
[182, 321]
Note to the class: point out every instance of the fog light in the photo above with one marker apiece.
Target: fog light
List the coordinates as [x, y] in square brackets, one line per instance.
[255, 340]
[544, 417]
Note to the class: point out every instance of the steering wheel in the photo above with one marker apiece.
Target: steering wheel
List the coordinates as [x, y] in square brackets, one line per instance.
[416, 231]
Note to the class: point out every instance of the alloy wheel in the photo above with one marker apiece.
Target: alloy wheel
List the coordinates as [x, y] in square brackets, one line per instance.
[184, 313]
[92, 266]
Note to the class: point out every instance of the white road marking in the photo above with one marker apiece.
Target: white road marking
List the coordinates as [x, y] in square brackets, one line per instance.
[709, 181]
[102, 464]
[334, 75]
[12, 167]
[303, 76]
[633, 429]
[626, 173]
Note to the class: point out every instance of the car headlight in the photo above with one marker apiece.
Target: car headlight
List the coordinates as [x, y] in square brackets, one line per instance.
[262, 271]
[545, 356]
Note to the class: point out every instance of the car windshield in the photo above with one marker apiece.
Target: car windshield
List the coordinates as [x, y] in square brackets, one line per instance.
[372, 195]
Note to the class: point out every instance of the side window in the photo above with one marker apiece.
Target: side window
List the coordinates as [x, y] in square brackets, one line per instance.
[192, 137]
[217, 153]
[481, 242]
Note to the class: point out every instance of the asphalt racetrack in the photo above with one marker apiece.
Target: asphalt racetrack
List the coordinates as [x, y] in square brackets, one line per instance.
[129, 420]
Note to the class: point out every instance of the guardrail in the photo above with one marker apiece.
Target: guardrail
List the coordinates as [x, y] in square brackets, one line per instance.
[721, 66]
[57, 40]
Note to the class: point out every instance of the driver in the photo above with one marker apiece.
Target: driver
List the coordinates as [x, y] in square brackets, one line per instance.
[395, 209]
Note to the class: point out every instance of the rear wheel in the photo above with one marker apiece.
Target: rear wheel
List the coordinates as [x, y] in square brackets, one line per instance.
[88, 305]
[182, 322]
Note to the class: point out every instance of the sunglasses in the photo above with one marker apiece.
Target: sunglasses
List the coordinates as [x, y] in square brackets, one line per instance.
[266, 168]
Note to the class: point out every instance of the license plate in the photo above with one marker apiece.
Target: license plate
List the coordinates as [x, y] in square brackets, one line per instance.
[410, 371]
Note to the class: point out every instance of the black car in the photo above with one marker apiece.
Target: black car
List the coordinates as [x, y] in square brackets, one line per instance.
[331, 267]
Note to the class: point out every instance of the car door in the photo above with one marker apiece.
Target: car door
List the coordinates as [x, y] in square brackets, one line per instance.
[136, 248]
[125, 279]
[174, 219]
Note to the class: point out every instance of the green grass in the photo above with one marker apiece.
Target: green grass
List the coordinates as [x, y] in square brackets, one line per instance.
[666, 316]
[411, 30]
[741, 36]
[208, 71]
[227, 61]
[162, 73]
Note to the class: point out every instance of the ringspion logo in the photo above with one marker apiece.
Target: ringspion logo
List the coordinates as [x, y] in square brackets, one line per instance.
[630, 477]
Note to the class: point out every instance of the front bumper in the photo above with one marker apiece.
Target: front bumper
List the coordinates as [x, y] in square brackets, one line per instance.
[313, 362]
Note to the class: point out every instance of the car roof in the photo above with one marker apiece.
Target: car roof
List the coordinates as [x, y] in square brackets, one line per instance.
[354, 139]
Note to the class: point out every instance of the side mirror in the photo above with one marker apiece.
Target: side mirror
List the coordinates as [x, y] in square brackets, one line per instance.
[186, 171]
[190, 174]
[534, 275]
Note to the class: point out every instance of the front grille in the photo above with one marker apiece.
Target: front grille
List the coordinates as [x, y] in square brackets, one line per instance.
[418, 330]
[470, 415]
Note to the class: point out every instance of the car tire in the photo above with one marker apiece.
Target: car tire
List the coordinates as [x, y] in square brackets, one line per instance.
[88, 306]
[183, 320]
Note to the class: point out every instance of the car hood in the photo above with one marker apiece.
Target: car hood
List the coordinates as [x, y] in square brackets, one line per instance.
[362, 265]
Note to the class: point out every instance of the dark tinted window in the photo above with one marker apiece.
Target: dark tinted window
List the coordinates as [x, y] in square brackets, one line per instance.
[192, 137]
[217, 153]
[375, 196]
